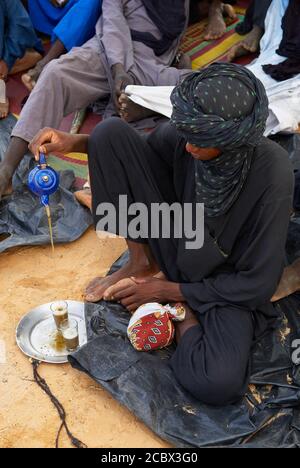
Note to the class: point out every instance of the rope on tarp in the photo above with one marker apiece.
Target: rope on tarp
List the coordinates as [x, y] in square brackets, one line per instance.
[59, 407]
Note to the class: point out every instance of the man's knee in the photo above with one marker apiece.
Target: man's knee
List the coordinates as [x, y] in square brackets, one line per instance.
[106, 136]
[109, 128]
[217, 387]
[51, 72]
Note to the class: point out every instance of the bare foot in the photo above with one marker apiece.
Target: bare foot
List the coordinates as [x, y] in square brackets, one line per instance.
[30, 78]
[97, 288]
[84, 197]
[4, 109]
[131, 112]
[249, 45]
[289, 283]
[5, 181]
[229, 11]
[216, 27]
[29, 60]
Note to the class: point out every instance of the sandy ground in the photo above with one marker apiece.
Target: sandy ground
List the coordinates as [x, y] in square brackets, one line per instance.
[30, 277]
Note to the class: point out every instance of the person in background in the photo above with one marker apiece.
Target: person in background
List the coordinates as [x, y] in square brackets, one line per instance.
[213, 152]
[136, 42]
[215, 11]
[70, 23]
[253, 27]
[16, 37]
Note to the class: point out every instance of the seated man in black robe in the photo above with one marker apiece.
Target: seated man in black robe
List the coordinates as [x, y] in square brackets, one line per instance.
[213, 153]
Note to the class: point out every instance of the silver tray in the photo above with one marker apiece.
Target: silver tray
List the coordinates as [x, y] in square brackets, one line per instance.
[37, 334]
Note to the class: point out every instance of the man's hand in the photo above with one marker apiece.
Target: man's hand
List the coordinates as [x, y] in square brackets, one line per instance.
[121, 80]
[133, 292]
[190, 321]
[49, 140]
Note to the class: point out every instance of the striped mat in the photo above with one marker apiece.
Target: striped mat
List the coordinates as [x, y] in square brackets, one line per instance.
[203, 52]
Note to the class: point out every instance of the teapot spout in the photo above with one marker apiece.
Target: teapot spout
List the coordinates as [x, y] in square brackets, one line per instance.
[45, 200]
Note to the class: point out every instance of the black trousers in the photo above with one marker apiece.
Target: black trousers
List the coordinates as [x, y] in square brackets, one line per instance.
[255, 16]
[212, 359]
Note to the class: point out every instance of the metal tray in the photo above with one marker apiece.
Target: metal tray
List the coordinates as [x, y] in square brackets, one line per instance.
[37, 334]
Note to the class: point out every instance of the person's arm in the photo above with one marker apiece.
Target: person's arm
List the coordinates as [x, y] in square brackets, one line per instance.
[116, 36]
[258, 271]
[50, 140]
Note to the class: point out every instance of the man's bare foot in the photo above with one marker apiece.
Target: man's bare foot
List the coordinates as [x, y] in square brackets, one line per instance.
[229, 11]
[30, 78]
[97, 288]
[132, 112]
[4, 109]
[289, 283]
[216, 27]
[249, 45]
[5, 181]
[84, 197]
[29, 60]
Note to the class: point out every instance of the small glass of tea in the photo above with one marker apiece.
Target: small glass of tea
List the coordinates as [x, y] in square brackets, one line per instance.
[69, 330]
[60, 313]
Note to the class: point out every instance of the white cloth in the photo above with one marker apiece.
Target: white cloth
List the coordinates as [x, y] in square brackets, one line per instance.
[2, 92]
[284, 97]
[155, 98]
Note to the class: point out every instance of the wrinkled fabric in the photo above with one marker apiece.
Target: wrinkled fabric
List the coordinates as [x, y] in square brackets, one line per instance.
[169, 17]
[73, 25]
[222, 107]
[289, 46]
[23, 220]
[284, 97]
[267, 417]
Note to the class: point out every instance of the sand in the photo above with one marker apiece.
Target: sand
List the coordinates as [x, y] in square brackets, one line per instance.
[30, 277]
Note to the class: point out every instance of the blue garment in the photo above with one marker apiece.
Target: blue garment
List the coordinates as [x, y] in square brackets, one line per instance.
[73, 25]
[16, 32]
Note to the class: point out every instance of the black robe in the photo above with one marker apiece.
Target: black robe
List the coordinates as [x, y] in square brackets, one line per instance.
[230, 281]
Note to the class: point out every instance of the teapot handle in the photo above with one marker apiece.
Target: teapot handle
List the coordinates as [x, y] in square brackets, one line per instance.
[43, 160]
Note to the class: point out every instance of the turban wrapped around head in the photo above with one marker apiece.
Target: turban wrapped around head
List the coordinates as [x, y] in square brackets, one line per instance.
[223, 106]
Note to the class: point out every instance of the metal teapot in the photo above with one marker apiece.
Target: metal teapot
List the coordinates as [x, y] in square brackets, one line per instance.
[43, 180]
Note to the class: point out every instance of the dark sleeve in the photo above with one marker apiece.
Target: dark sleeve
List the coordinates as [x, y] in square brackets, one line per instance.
[260, 266]
[164, 141]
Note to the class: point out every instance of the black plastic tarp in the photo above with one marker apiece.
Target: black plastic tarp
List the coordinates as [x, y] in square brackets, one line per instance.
[269, 414]
[22, 218]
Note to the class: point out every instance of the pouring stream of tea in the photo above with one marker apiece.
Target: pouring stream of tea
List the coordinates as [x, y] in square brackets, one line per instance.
[47, 208]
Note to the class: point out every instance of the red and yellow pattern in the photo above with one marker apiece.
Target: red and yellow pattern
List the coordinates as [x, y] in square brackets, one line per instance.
[151, 326]
[204, 52]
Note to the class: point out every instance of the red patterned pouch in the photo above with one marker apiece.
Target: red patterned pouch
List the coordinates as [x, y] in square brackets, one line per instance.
[151, 326]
